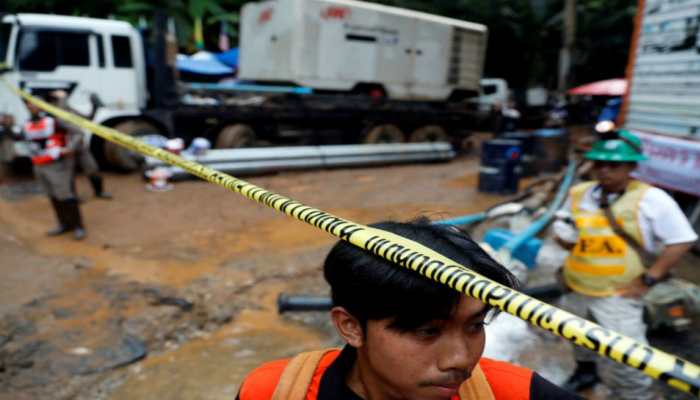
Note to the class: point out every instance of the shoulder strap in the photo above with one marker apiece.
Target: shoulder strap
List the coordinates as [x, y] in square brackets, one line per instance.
[295, 380]
[476, 387]
[647, 257]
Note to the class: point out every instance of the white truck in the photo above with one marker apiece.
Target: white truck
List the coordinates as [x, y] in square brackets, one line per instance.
[347, 45]
[81, 56]
[355, 98]
[662, 105]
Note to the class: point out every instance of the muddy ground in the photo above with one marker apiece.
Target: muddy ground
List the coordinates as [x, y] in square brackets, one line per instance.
[173, 294]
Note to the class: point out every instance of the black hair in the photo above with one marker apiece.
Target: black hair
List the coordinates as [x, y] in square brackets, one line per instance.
[371, 288]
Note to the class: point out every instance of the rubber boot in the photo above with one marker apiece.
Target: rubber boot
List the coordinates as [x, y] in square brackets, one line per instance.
[98, 187]
[63, 223]
[76, 221]
[584, 377]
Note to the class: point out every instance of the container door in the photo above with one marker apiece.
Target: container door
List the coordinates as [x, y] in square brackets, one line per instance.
[347, 44]
[267, 33]
[395, 60]
[431, 54]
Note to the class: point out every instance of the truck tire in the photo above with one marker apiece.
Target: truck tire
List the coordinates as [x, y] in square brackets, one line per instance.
[429, 133]
[118, 156]
[385, 133]
[236, 135]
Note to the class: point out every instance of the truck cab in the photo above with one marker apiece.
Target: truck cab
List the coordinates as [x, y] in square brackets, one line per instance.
[492, 92]
[41, 53]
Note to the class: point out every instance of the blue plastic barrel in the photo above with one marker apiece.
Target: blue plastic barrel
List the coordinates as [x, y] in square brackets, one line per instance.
[527, 145]
[500, 164]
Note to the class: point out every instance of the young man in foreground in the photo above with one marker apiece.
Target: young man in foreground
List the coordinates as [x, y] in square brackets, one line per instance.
[407, 337]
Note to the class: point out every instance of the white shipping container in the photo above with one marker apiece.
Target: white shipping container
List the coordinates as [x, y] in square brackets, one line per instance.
[348, 45]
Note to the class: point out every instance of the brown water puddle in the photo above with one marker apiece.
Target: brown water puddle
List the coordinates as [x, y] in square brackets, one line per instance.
[168, 261]
[213, 367]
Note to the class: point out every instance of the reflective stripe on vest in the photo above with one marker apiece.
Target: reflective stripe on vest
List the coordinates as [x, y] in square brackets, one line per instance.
[51, 151]
[602, 261]
[39, 130]
[300, 378]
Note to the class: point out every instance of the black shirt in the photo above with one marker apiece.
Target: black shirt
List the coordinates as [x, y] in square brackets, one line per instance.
[333, 382]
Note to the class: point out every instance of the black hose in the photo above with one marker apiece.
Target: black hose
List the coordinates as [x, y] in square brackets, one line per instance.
[303, 303]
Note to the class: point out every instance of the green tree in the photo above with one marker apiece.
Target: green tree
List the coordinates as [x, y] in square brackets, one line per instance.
[603, 39]
[528, 34]
[192, 17]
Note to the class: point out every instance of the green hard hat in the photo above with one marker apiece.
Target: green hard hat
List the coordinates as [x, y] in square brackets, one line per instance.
[625, 147]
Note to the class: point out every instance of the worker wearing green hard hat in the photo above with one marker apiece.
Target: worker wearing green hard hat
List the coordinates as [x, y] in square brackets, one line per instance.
[614, 228]
[621, 146]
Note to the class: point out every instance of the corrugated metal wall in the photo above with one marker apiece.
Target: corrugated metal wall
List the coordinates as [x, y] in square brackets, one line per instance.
[665, 93]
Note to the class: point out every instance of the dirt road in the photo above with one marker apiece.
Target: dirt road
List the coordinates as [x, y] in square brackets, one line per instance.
[187, 278]
[172, 295]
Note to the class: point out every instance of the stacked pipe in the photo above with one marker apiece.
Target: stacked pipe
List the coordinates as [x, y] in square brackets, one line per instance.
[270, 159]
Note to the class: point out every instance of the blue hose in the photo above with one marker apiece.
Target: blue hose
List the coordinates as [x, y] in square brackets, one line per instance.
[540, 223]
[478, 217]
[245, 87]
[463, 220]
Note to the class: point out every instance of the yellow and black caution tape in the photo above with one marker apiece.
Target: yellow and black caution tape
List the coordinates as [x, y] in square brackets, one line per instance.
[675, 371]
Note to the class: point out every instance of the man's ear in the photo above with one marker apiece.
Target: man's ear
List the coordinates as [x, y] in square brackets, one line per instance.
[348, 327]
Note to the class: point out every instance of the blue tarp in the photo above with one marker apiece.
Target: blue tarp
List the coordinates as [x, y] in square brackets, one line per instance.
[207, 64]
[229, 58]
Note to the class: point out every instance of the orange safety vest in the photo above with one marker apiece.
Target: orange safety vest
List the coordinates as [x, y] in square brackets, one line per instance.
[299, 378]
[51, 151]
[48, 138]
[40, 129]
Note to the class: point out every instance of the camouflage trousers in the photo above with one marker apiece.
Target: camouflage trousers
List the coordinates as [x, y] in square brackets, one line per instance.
[56, 178]
[623, 315]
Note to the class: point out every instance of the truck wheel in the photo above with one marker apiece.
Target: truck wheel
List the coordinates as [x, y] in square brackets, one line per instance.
[236, 135]
[121, 158]
[385, 133]
[429, 133]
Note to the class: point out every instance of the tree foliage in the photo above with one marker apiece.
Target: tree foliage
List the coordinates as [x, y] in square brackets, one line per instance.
[524, 35]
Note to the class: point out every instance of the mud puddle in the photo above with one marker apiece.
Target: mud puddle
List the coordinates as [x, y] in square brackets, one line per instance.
[213, 366]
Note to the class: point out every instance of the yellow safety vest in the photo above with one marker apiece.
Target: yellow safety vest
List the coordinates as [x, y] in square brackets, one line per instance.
[602, 261]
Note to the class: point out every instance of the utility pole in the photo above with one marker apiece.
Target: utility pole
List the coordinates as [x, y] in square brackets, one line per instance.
[567, 49]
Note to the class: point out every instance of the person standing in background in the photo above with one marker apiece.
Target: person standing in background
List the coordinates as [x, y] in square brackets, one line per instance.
[83, 157]
[625, 236]
[53, 147]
